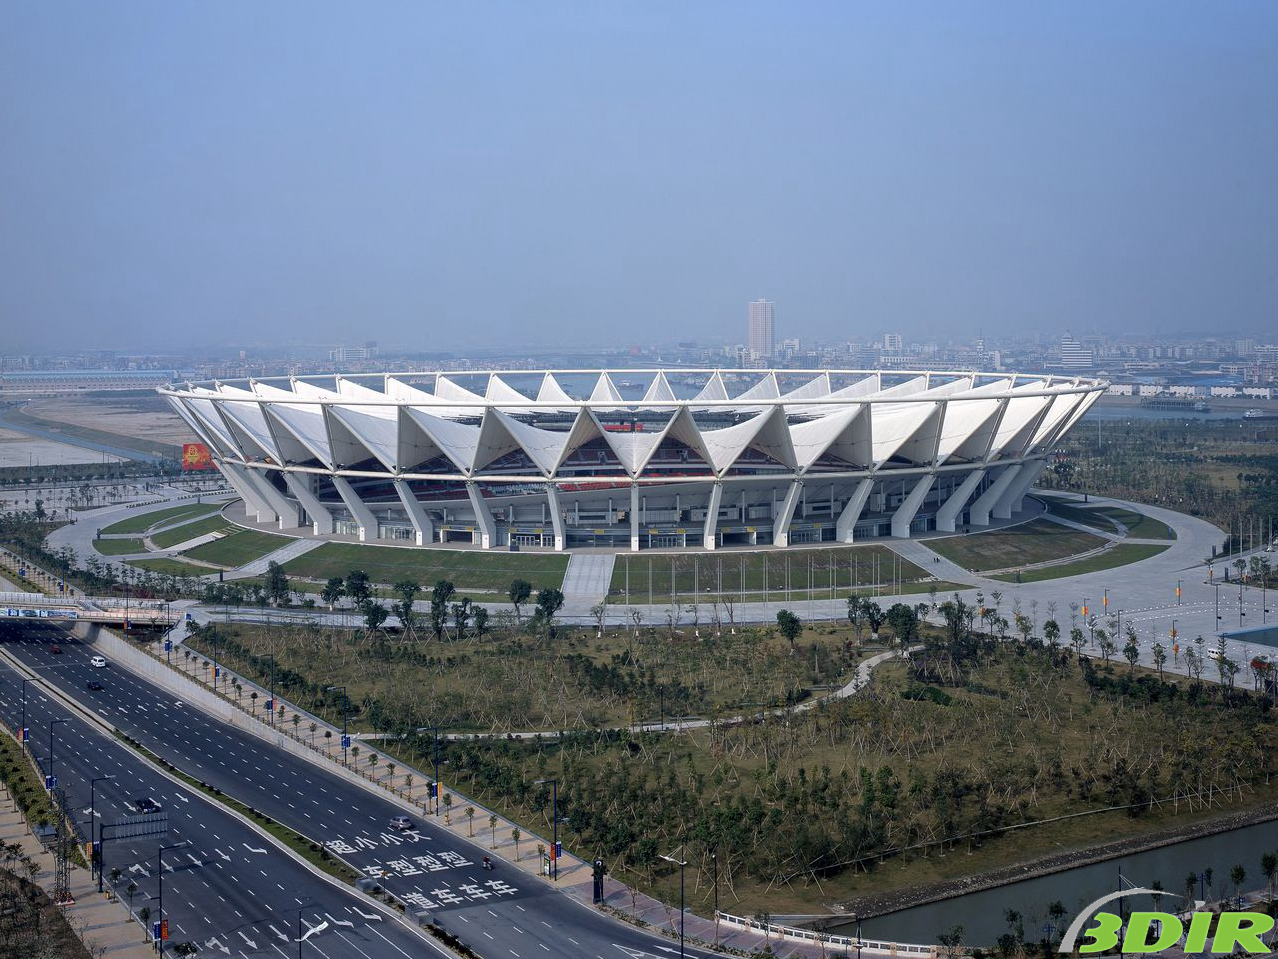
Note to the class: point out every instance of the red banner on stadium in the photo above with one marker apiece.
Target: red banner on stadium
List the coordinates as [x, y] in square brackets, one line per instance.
[196, 456]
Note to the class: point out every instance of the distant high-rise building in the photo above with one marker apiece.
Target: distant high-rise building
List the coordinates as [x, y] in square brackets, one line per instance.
[1074, 355]
[349, 354]
[891, 342]
[759, 341]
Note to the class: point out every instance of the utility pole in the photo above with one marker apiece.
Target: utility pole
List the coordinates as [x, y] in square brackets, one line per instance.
[681, 862]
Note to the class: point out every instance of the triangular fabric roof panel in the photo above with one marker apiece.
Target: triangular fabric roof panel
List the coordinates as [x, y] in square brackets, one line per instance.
[659, 390]
[457, 441]
[544, 447]
[765, 389]
[713, 390]
[814, 438]
[726, 445]
[494, 440]
[551, 392]
[306, 425]
[813, 389]
[499, 391]
[605, 391]
[378, 431]
[353, 390]
[1056, 414]
[634, 449]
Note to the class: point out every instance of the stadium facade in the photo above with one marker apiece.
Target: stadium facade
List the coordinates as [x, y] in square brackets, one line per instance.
[634, 459]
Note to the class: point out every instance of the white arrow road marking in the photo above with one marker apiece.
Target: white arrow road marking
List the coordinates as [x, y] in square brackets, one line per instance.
[251, 849]
[222, 854]
[137, 868]
[640, 954]
[194, 860]
[181, 797]
[251, 944]
[341, 922]
[214, 944]
[277, 932]
[311, 930]
[366, 915]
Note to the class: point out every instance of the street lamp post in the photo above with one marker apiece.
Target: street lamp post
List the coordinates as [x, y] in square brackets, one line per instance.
[857, 919]
[93, 823]
[159, 869]
[272, 690]
[52, 723]
[434, 756]
[1178, 596]
[554, 818]
[681, 862]
[714, 859]
[346, 739]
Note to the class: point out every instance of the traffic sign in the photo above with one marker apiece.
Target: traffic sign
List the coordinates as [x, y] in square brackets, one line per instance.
[558, 850]
[50, 782]
[155, 930]
[270, 705]
[25, 734]
[346, 741]
[168, 645]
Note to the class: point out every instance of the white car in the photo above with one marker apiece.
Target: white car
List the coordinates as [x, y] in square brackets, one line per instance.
[97, 661]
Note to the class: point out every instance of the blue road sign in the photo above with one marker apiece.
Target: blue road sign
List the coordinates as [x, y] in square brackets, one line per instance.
[50, 782]
[346, 741]
[168, 645]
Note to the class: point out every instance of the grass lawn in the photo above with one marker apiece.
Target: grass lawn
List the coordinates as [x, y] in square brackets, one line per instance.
[1037, 541]
[171, 567]
[466, 569]
[238, 548]
[189, 531]
[145, 521]
[741, 573]
[1120, 555]
[118, 547]
[1138, 525]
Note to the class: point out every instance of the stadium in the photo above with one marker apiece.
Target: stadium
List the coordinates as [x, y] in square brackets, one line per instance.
[633, 459]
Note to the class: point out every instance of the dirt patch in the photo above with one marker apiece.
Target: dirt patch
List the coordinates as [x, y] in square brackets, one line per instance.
[31, 925]
[142, 417]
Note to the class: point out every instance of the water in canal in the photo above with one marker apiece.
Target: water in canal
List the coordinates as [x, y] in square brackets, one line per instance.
[981, 914]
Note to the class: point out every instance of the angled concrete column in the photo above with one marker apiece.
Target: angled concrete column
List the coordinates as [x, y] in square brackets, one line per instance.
[980, 511]
[1030, 473]
[363, 515]
[278, 502]
[845, 525]
[299, 485]
[709, 531]
[634, 517]
[483, 518]
[948, 514]
[785, 513]
[556, 515]
[253, 503]
[417, 514]
[909, 507]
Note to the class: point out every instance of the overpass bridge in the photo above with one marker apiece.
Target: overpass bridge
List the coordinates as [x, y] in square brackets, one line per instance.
[88, 609]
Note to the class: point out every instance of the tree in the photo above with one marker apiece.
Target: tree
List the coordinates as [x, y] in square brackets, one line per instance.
[1269, 869]
[1077, 639]
[1238, 875]
[448, 809]
[470, 821]
[520, 590]
[375, 615]
[1160, 658]
[549, 602]
[479, 619]
[461, 617]
[854, 616]
[1131, 653]
[904, 622]
[790, 626]
[439, 597]
[516, 835]
[874, 617]
[1052, 633]
[333, 591]
[277, 588]
[492, 824]
[358, 587]
[407, 591]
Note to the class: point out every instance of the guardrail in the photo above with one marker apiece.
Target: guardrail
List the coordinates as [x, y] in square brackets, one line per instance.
[795, 934]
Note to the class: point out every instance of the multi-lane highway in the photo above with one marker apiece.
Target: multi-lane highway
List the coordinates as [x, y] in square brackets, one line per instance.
[225, 889]
[501, 912]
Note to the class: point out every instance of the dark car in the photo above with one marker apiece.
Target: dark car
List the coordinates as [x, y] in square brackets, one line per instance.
[147, 804]
[93, 686]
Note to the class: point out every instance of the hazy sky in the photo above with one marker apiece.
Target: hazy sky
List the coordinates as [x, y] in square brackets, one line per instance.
[445, 175]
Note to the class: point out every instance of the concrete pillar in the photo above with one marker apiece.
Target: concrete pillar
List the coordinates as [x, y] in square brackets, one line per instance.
[1030, 473]
[634, 517]
[277, 502]
[253, 503]
[556, 515]
[909, 507]
[947, 515]
[363, 515]
[708, 533]
[845, 525]
[980, 511]
[483, 518]
[299, 485]
[785, 513]
[417, 514]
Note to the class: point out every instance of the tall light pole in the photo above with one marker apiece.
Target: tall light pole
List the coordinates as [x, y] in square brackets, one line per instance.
[434, 755]
[1178, 592]
[93, 821]
[346, 739]
[159, 869]
[554, 818]
[52, 723]
[681, 863]
[272, 689]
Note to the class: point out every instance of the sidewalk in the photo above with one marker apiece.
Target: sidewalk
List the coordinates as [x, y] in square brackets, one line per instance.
[103, 926]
